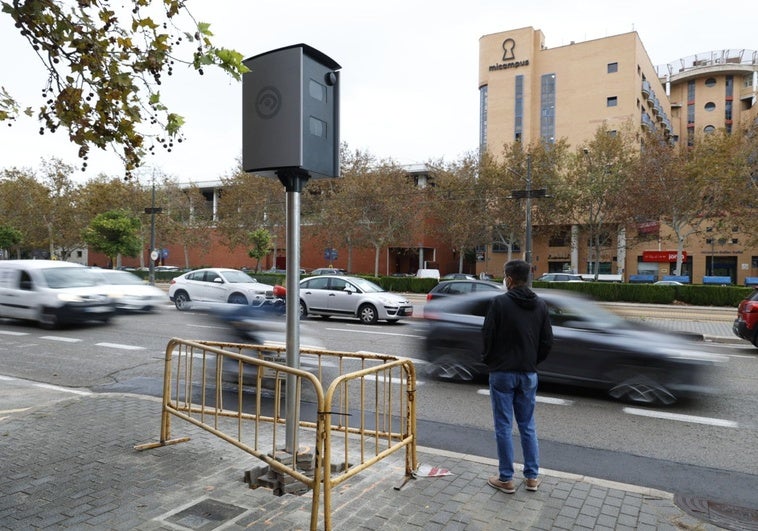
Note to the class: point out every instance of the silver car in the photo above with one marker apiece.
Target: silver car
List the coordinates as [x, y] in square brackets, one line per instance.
[345, 296]
[216, 285]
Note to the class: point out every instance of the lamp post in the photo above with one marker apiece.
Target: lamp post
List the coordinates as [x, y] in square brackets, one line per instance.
[152, 210]
[528, 194]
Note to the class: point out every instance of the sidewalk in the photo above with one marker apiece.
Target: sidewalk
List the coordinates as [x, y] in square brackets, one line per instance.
[70, 463]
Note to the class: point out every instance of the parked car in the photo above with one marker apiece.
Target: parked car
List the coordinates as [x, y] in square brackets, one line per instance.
[165, 268]
[217, 284]
[130, 292]
[346, 296]
[327, 271]
[746, 324]
[667, 283]
[560, 277]
[52, 293]
[593, 348]
[458, 276]
[447, 288]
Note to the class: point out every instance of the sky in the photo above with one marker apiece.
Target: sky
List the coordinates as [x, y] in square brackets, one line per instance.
[409, 77]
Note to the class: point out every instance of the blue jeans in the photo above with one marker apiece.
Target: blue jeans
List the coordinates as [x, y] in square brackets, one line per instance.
[515, 393]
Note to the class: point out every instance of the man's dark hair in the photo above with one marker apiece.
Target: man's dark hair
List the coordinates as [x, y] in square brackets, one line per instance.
[518, 270]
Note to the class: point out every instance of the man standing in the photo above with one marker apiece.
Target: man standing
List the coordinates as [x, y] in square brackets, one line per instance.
[517, 336]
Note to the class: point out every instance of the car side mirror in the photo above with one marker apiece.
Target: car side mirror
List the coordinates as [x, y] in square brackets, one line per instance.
[218, 280]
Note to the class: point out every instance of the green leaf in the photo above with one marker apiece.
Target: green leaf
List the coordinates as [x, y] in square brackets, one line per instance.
[204, 29]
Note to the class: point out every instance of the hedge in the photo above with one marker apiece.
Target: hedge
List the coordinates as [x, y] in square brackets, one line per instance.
[695, 295]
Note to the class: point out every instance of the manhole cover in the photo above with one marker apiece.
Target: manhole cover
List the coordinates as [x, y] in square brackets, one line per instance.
[205, 515]
[727, 516]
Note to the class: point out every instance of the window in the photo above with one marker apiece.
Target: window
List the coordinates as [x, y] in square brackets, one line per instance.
[710, 82]
[613, 68]
[612, 101]
[561, 239]
[547, 108]
[483, 117]
[519, 108]
[710, 106]
[709, 129]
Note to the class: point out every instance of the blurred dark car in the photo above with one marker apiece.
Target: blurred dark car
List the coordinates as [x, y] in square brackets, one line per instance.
[447, 288]
[593, 348]
[746, 324]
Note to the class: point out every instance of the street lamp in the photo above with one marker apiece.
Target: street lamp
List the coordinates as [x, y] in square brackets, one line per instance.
[528, 194]
[153, 253]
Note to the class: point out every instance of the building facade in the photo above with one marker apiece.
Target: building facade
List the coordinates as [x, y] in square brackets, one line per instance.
[529, 92]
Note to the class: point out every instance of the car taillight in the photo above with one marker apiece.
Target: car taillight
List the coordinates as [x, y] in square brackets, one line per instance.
[749, 306]
[428, 297]
[173, 281]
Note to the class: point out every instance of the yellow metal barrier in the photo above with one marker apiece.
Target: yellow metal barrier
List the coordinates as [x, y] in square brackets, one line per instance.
[370, 396]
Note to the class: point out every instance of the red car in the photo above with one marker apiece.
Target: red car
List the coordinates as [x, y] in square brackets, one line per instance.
[746, 324]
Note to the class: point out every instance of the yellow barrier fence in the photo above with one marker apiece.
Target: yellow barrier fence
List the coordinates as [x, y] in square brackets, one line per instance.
[236, 392]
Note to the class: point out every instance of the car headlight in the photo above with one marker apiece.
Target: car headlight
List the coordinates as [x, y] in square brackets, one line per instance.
[69, 297]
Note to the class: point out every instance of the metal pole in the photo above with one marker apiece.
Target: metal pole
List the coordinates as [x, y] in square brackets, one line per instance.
[152, 236]
[293, 182]
[528, 244]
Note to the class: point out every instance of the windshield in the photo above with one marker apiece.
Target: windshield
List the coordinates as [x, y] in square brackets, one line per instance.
[238, 277]
[366, 286]
[69, 277]
[120, 277]
[579, 310]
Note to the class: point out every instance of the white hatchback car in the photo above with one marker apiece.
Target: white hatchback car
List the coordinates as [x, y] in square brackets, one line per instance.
[217, 284]
[345, 296]
[130, 292]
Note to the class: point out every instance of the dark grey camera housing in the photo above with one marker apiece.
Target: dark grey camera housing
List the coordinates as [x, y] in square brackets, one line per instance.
[290, 113]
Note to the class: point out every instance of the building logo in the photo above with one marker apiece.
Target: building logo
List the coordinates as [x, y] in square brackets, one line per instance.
[509, 56]
[508, 46]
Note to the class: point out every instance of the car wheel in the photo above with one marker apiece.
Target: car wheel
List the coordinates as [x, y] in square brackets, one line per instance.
[48, 319]
[237, 298]
[303, 310]
[367, 314]
[181, 300]
[755, 339]
[641, 388]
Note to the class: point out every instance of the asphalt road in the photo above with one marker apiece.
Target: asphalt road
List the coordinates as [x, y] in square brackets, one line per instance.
[705, 448]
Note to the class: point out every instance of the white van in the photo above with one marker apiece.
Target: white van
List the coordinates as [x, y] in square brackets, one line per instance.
[52, 293]
[428, 273]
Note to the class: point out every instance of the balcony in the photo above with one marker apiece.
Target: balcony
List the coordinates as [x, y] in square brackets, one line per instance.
[646, 88]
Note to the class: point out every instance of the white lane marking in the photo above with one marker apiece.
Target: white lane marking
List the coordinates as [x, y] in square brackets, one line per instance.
[742, 356]
[45, 386]
[62, 339]
[119, 346]
[370, 332]
[681, 418]
[63, 389]
[542, 399]
[206, 326]
[9, 333]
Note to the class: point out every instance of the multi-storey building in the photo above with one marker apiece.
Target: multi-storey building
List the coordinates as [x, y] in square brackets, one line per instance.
[529, 92]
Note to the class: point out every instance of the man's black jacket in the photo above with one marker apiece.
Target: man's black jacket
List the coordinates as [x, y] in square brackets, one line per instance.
[517, 331]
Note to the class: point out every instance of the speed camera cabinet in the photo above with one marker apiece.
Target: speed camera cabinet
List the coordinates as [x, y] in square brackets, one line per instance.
[290, 113]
